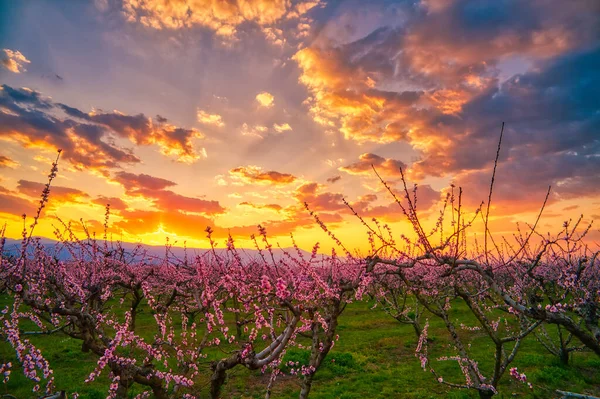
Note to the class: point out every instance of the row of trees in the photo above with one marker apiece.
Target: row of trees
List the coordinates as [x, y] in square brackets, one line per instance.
[512, 291]
[253, 311]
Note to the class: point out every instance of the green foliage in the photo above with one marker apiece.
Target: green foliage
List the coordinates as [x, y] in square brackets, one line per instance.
[556, 375]
[301, 356]
[459, 394]
[92, 394]
[594, 362]
[339, 364]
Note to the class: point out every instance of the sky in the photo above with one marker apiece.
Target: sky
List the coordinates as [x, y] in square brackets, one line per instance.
[183, 114]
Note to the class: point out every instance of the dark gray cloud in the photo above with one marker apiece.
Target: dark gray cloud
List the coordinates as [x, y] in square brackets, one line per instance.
[133, 182]
[383, 166]
[154, 189]
[552, 136]
[446, 78]
[547, 112]
[7, 162]
[115, 203]
[15, 205]
[87, 139]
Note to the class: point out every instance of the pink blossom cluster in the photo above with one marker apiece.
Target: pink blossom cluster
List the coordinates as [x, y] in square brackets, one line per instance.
[5, 371]
[190, 301]
[514, 372]
[555, 308]
[470, 328]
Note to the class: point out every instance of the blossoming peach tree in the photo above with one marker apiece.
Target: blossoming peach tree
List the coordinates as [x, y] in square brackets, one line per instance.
[97, 295]
[511, 290]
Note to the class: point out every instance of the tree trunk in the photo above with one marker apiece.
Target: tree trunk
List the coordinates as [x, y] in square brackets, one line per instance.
[238, 324]
[217, 380]
[134, 310]
[220, 374]
[123, 389]
[563, 356]
[159, 392]
[306, 386]
[58, 395]
[417, 328]
[486, 394]
[320, 348]
[238, 328]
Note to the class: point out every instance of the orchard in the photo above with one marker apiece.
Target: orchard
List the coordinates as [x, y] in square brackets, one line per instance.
[170, 327]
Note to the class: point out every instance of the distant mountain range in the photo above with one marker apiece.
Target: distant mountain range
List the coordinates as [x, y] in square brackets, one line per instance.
[13, 247]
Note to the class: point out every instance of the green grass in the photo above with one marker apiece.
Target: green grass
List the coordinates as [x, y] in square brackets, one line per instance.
[374, 358]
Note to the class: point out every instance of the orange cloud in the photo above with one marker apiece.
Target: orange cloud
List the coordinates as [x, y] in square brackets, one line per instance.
[384, 166]
[265, 99]
[254, 131]
[255, 174]
[92, 226]
[167, 200]
[15, 205]
[343, 95]
[426, 82]
[448, 45]
[317, 201]
[284, 127]
[153, 189]
[274, 35]
[302, 7]
[223, 17]
[326, 70]
[513, 193]
[210, 119]
[141, 130]
[13, 61]
[272, 207]
[450, 101]
[327, 202]
[88, 139]
[57, 193]
[132, 182]
[427, 197]
[6, 162]
[115, 203]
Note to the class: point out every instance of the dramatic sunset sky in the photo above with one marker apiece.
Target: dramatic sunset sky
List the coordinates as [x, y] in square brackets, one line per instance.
[184, 114]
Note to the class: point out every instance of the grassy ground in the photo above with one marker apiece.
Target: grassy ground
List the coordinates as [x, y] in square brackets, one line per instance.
[374, 358]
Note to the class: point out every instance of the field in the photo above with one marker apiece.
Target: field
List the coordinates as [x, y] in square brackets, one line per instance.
[374, 358]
